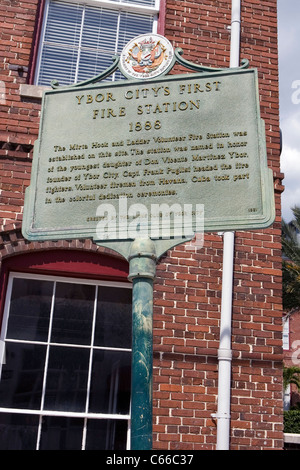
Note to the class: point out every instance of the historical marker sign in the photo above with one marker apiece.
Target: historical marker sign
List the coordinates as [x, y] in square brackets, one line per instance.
[187, 139]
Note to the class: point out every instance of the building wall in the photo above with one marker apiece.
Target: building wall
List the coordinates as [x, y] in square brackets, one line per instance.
[188, 285]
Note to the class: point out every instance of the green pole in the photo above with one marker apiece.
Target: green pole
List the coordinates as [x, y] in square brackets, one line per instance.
[142, 267]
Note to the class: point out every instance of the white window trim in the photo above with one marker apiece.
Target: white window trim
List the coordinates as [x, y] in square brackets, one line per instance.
[287, 398]
[101, 4]
[121, 6]
[70, 280]
[286, 333]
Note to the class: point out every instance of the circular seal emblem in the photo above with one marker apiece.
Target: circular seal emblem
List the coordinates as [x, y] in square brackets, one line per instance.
[146, 56]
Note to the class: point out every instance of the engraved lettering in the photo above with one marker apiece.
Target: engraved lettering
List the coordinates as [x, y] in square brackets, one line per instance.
[147, 183]
[218, 135]
[221, 177]
[149, 161]
[79, 98]
[159, 150]
[78, 147]
[168, 139]
[88, 176]
[58, 148]
[62, 179]
[131, 174]
[172, 181]
[202, 147]
[225, 166]
[158, 171]
[116, 165]
[240, 166]
[240, 134]
[208, 157]
[121, 153]
[205, 168]
[99, 145]
[174, 160]
[109, 174]
[200, 179]
[241, 177]
[236, 144]
[106, 113]
[238, 155]
[178, 171]
[195, 137]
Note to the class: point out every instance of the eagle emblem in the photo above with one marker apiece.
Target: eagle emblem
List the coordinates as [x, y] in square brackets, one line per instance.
[147, 56]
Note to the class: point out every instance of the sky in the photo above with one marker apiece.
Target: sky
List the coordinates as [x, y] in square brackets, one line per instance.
[289, 92]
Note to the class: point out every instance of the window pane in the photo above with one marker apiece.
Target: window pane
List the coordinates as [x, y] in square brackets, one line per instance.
[18, 432]
[92, 63]
[114, 317]
[22, 376]
[100, 29]
[66, 386]
[30, 308]
[73, 313]
[61, 42]
[58, 63]
[63, 23]
[110, 385]
[106, 434]
[98, 43]
[132, 25]
[59, 433]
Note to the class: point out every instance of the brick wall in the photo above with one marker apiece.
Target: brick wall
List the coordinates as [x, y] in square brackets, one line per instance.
[19, 118]
[188, 286]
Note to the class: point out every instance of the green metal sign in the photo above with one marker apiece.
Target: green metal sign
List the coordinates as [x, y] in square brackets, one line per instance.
[193, 139]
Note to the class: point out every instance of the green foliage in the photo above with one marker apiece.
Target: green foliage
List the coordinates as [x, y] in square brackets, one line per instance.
[290, 285]
[291, 262]
[291, 421]
[291, 375]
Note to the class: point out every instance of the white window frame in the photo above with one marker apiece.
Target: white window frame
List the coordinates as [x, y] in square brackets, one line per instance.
[85, 415]
[118, 6]
[287, 398]
[286, 333]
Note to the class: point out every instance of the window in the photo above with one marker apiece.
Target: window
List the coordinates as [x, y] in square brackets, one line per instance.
[65, 379]
[78, 39]
[286, 333]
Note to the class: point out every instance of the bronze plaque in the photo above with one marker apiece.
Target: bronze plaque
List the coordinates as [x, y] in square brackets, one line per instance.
[108, 152]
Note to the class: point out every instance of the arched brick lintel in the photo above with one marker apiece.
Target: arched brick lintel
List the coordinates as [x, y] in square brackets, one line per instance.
[72, 258]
